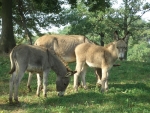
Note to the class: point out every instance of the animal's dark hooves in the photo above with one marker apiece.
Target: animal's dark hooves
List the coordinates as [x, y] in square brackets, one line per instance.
[10, 100]
[98, 84]
[85, 87]
[11, 103]
[15, 103]
[76, 90]
[102, 91]
[41, 88]
[45, 95]
[29, 89]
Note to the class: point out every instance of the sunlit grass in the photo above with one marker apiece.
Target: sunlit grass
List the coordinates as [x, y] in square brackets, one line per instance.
[129, 92]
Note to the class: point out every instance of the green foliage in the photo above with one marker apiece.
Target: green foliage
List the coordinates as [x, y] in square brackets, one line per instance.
[139, 52]
[36, 14]
[92, 24]
[20, 40]
[128, 92]
[86, 23]
[47, 6]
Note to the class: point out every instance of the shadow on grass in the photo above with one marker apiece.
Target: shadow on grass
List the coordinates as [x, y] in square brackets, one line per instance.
[91, 98]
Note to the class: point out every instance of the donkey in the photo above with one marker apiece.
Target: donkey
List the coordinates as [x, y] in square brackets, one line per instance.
[65, 45]
[39, 60]
[98, 57]
[62, 45]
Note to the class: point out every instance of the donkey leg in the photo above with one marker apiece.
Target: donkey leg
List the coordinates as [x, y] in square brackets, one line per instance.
[29, 81]
[38, 84]
[98, 72]
[83, 73]
[45, 78]
[106, 83]
[16, 84]
[75, 86]
[76, 75]
[11, 85]
[104, 79]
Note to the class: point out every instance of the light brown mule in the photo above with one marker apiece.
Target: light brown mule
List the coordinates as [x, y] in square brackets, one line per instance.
[98, 57]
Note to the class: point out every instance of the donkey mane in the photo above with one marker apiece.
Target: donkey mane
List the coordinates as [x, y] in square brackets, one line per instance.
[108, 45]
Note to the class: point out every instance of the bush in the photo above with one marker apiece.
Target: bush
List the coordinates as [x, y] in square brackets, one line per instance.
[139, 52]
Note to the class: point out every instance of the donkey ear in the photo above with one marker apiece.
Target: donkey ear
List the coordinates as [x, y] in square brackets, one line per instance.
[126, 36]
[116, 35]
[70, 73]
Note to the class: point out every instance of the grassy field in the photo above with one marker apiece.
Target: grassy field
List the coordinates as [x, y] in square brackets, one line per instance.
[129, 92]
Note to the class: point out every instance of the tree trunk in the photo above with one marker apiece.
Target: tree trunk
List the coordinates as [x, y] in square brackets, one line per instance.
[101, 39]
[7, 39]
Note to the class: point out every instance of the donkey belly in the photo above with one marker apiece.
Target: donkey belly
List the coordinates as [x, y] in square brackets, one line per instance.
[90, 64]
[69, 59]
[33, 68]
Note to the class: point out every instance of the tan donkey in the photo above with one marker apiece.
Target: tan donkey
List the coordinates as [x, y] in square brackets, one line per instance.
[98, 57]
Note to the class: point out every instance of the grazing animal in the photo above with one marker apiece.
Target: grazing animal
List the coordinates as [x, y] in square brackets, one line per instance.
[98, 57]
[63, 45]
[39, 60]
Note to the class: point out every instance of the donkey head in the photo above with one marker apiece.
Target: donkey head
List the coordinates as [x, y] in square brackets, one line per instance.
[62, 82]
[121, 45]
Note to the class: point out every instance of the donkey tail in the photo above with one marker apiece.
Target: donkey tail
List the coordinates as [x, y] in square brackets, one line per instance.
[12, 60]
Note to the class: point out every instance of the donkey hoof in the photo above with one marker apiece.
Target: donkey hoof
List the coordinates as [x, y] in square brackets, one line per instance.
[38, 95]
[10, 101]
[16, 101]
[98, 84]
[85, 87]
[75, 90]
[41, 88]
[45, 95]
[106, 90]
[102, 90]
[29, 89]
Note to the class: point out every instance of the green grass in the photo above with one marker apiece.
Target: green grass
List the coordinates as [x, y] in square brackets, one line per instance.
[129, 92]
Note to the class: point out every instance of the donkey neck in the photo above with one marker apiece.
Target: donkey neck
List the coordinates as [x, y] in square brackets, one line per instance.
[111, 48]
[59, 68]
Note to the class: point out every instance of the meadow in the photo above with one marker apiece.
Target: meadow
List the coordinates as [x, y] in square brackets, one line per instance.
[129, 92]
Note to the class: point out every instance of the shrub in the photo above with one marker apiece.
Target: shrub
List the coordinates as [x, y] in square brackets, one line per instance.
[139, 52]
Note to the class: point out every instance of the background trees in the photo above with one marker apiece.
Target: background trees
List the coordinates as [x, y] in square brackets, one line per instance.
[31, 15]
[95, 19]
[126, 18]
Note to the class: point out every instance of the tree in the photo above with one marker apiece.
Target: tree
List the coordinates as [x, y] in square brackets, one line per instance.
[106, 22]
[7, 39]
[86, 22]
[125, 18]
[30, 15]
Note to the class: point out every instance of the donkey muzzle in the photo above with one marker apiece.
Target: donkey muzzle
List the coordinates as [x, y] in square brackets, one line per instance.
[121, 58]
[60, 93]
